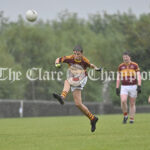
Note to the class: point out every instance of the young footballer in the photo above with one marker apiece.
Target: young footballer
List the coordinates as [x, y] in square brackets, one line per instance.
[76, 81]
[129, 75]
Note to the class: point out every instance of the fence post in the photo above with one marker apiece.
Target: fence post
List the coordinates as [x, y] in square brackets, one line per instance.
[21, 109]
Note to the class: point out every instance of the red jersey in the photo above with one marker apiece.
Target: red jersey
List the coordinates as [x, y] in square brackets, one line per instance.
[128, 73]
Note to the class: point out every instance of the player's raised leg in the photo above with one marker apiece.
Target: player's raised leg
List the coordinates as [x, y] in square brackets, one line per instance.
[84, 109]
[66, 89]
[64, 93]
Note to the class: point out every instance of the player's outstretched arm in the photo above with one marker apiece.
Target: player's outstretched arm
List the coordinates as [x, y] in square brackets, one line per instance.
[95, 67]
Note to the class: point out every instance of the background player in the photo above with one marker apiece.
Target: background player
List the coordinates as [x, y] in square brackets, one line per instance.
[129, 74]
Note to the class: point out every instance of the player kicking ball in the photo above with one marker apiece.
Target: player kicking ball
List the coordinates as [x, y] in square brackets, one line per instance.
[76, 80]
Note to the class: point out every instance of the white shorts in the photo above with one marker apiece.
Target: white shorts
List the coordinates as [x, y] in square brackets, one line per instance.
[130, 90]
[81, 86]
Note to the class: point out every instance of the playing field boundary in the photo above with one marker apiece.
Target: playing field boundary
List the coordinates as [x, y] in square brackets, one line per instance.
[37, 108]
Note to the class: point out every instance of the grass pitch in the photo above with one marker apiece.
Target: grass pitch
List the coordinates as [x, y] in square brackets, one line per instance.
[73, 133]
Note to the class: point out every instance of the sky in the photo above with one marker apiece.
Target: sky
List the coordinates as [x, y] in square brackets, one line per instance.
[49, 9]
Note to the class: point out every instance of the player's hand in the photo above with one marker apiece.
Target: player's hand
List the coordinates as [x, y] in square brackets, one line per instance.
[99, 69]
[58, 65]
[139, 89]
[118, 91]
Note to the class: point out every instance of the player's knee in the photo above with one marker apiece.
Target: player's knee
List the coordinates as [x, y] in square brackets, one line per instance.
[66, 82]
[123, 101]
[132, 104]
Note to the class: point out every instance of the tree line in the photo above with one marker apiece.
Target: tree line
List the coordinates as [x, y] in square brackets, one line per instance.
[104, 37]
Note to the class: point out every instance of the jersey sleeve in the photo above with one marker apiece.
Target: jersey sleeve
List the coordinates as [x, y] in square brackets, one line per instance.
[137, 68]
[87, 62]
[66, 59]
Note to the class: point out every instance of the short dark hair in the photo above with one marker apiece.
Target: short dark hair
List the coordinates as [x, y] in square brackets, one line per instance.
[78, 48]
[126, 53]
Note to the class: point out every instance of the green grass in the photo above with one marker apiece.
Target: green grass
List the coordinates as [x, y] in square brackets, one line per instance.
[73, 133]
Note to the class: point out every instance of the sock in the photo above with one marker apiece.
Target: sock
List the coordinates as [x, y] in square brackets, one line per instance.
[90, 116]
[131, 119]
[125, 114]
[64, 94]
